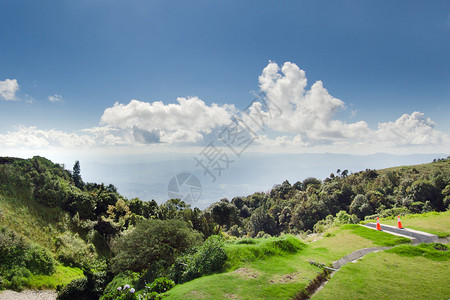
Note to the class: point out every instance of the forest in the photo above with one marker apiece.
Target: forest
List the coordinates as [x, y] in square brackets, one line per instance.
[116, 241]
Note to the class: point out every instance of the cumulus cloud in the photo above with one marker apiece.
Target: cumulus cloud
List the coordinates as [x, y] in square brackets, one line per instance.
[291, 107]
[155, 122]
[413, 129]
[304, 117]
[291, 116]
[32, 137]
[8, 89]
[55, 98]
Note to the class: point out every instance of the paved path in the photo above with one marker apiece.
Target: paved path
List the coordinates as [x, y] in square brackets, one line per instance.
[414, 235]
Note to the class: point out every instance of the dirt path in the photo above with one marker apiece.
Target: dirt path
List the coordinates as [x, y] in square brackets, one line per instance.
[28, 295]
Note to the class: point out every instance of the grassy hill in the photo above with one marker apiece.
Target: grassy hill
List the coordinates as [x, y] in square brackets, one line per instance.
[286, 275]
[406, 274]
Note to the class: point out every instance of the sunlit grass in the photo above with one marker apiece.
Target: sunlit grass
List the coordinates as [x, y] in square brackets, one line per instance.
[385, 275]
[276, 276]
[379, 238]
[31, 220]
[62, 276]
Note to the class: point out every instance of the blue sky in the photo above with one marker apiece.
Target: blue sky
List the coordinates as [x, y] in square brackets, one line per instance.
[383, 66]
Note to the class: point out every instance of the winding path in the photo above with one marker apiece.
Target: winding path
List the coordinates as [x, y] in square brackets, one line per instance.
[414, 235]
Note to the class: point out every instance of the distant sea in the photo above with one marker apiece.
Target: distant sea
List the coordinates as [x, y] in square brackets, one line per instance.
[148, 177]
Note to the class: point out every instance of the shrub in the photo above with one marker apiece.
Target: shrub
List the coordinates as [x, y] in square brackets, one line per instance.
[12, 249]
[120, 280]
[208, 258]
[16, 278]
[87, 288]
[125, 292]
[76, 289]
[39, 260]
[161, 285]
[73, 251]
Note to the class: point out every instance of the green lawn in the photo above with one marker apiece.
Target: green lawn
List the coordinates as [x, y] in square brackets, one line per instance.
[278, 276]
[385, 275]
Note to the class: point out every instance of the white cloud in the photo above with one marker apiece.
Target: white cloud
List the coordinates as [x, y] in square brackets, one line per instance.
[281, 141]
[155, 122]
[8, 89]
[292, 108]
[31, 137]
[412, 129]
[296, 119]
[55, 98]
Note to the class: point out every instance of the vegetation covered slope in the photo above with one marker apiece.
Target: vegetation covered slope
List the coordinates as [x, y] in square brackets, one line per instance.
[92, 226]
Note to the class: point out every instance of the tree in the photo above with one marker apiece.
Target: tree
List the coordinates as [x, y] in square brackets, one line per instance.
[261, 220]
[310, 181]
[360, 206]
[224, 213]
[76, 175]
[153, 241]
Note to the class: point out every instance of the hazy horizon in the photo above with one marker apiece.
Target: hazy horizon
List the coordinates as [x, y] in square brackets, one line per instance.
[243, 95]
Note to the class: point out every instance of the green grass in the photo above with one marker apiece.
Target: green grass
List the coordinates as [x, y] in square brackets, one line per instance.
[62, 276]
[249, 250]
[432, 222]
[378, 237]
[279, 275]
[388, 275]
[32, 220]
[434, 251]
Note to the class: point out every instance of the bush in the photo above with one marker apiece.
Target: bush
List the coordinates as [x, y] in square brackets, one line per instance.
[161, 285]
[19, 259]
[87, 288]
[73, 251]
[208, 258]
[120, 280]
[16, 278]
[76, 289]
[12, 249]
[125, 292]
[39, 260]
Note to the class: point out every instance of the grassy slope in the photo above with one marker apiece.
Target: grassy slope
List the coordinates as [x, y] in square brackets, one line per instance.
[280, 277]
[384, 275]
[35, 222]
[427, 169]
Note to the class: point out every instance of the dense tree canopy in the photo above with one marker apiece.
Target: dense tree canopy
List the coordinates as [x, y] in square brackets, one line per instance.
[153, 241]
